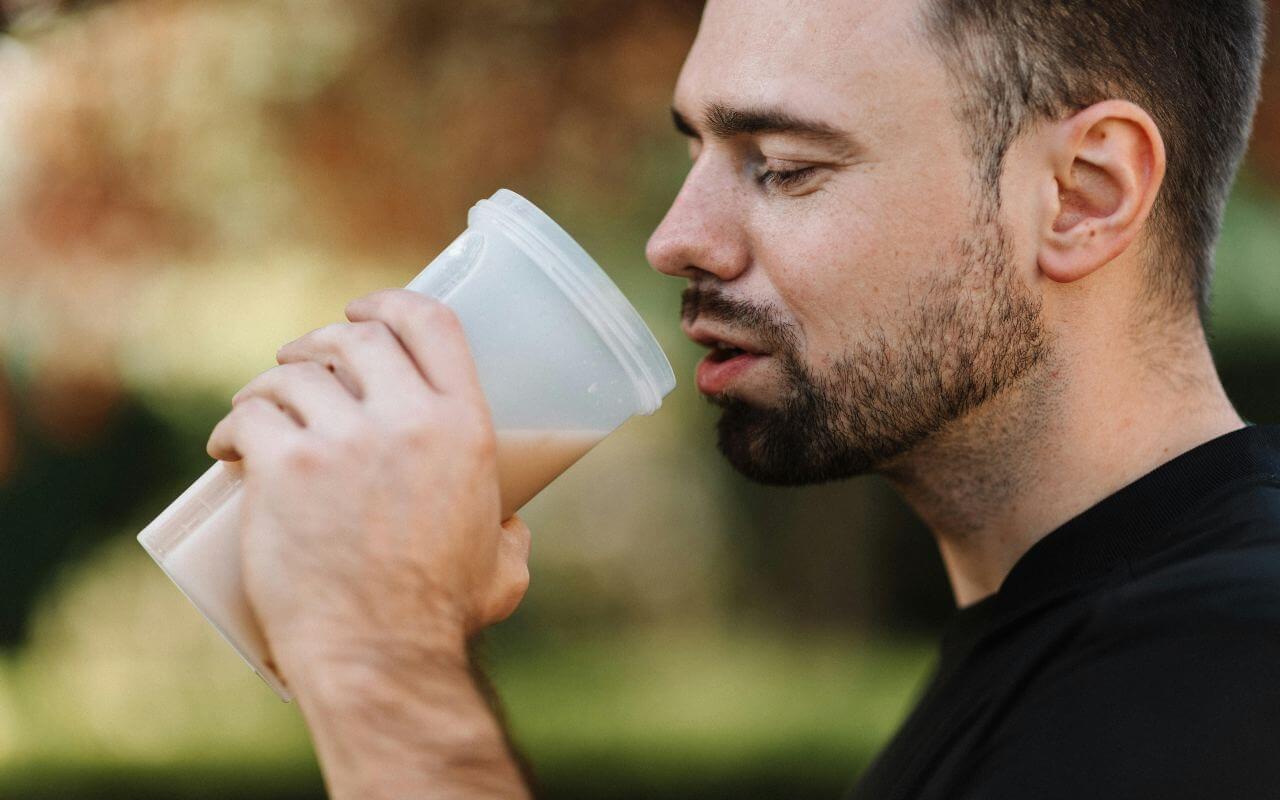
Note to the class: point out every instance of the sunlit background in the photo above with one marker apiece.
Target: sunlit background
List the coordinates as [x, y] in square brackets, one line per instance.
[184, 186]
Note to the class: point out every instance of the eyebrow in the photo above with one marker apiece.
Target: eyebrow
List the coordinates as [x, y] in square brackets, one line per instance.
[726, 122]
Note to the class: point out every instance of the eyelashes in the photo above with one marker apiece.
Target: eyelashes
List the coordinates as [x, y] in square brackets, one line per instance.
[785, 179]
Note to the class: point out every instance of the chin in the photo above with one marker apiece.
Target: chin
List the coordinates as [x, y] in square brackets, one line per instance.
[779, 447]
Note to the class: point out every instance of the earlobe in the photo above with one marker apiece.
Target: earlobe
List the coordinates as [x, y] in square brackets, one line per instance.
[1106, 165]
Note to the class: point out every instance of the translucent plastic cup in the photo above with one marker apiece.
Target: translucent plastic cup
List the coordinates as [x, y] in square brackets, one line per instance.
[563, 358]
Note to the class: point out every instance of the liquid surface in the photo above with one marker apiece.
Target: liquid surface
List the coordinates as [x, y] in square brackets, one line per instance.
[528, 460]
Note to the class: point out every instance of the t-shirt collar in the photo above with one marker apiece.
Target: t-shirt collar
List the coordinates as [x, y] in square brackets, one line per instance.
[1126, 524]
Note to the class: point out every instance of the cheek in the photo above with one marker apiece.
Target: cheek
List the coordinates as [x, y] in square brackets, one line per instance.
[846, 265]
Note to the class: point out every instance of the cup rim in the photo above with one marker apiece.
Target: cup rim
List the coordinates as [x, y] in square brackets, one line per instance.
[589, 288]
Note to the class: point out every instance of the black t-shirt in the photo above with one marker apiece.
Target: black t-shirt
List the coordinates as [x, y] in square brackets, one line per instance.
[1133, 652]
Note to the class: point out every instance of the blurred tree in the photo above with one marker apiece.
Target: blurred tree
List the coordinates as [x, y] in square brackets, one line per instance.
[69, 492]
[169, 138]
[8, 430]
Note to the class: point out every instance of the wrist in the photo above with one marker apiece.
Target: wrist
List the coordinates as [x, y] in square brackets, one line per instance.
[368, 665]
[409, 717]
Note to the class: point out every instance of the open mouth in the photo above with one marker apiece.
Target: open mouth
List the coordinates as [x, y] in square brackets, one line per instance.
[722, 352]
[724, 365]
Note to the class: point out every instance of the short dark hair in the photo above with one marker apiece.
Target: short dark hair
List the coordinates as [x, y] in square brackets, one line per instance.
[1193, 65]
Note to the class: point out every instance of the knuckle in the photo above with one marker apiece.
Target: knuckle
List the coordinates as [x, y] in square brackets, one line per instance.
[485, 443]
[361, 335]
[418, 430]
[443, 317]
[469, 429]
[325, 333]
[524, 542]
[250, 404]
[254, 387]
[474, 427]
[328, 336]
[307, 370]
[302, 456]
[214, 444]
[368, 301]
[305, 345]
[518, 530]
[520, 580]
[514, 587]
[373, 330]
[284, 350]
[262, 405]
[394, 300]
[353, 436]
[431, 314]
[363, 331]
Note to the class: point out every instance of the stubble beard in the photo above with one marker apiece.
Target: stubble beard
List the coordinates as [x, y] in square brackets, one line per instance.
[972, 330]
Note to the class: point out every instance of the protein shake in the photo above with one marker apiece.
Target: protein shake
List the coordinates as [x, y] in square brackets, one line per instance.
[563, 360]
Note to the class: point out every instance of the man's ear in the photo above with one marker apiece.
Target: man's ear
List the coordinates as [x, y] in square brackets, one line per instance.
[1107, 164]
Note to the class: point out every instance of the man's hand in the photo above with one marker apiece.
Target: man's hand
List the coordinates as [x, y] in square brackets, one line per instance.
[373, 548]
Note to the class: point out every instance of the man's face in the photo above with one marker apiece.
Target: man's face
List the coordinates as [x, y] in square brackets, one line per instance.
[831, 224]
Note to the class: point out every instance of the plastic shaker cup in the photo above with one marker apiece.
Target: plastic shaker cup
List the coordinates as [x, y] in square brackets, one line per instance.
[563, 358]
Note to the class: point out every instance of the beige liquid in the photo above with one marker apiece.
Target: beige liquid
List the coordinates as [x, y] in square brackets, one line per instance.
[528, 460]
[196, 540]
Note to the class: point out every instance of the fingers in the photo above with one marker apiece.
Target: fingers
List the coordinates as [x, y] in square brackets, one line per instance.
[368, 354]
[512, 575]
[311, 394]
[256, 425]
[430, 331]
[517, 539]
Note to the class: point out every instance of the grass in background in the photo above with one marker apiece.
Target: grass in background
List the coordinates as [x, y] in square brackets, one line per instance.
[125, 691]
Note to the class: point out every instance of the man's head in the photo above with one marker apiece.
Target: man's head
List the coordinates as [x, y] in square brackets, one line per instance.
[906, 208]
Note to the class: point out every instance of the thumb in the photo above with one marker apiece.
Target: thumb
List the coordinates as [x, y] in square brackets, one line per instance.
[516, 538]
[511, 576]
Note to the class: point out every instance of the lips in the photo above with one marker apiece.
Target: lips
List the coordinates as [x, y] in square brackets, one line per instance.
[717, 373]
[721, 352]
[730, 358]
[724, 345]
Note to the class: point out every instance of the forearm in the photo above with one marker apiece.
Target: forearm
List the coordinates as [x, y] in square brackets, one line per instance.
[407, 727]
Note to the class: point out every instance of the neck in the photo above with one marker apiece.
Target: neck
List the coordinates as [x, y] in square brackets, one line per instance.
[1073, 431]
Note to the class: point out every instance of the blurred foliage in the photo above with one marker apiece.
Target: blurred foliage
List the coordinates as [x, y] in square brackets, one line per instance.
[186, 185]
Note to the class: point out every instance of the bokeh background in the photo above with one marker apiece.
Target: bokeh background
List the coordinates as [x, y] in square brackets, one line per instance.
[186, 185]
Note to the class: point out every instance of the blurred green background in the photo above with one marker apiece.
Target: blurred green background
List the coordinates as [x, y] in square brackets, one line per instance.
[186, 185]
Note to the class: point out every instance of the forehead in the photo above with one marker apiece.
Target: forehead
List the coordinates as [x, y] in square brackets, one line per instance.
[833, 58]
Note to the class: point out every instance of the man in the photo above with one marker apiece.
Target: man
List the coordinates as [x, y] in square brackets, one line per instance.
[963, 244]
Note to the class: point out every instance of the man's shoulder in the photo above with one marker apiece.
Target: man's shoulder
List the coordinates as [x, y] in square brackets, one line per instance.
[1193, 623]
[1219, 564]
[1170, 684]
[1166, 682]
[1243, 510]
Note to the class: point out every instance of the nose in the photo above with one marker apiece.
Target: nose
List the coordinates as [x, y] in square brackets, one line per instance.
[703, 231]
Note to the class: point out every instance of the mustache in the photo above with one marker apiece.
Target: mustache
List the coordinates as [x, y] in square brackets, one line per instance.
[714, 304]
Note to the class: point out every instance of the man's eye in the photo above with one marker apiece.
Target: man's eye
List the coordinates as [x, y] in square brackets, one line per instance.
[785, 179]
